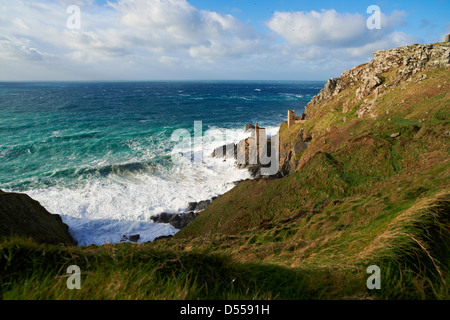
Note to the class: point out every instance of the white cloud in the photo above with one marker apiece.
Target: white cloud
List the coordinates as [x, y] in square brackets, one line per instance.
[332, 41]
[325, 28]
[330, 28]
[175, 24]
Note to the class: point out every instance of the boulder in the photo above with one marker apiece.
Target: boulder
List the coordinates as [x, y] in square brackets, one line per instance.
[132, 238]
[21, 216]
[177, 220]
[191, 206]
[198, 206]
[202, 205]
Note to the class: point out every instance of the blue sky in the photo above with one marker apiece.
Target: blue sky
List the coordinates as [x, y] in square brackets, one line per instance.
[205, 39]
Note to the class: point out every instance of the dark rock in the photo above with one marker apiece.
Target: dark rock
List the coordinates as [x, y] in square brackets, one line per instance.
[177, 220]
[22, 216]
[300, 146]
[290, 152]
[202, 205]
[255, 170]
[134, 237]
[163, 217]
[198, 206]
[191, 206]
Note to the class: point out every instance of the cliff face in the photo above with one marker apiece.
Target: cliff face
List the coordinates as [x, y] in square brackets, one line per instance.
[24, 217]
[403, 62]
[363, 92]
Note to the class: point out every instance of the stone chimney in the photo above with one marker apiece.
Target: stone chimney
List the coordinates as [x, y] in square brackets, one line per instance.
[291, 118]
[447, 38]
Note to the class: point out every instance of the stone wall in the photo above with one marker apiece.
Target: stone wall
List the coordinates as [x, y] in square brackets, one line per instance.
[292, 118]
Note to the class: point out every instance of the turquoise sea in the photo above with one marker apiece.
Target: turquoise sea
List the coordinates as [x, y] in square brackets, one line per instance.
[101, 154]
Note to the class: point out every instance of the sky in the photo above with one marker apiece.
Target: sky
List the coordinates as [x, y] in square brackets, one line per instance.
[138, 40]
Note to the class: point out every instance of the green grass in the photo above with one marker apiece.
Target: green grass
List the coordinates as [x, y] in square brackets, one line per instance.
[31, 271]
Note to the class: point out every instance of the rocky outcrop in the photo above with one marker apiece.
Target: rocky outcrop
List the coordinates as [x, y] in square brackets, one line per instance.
[245, 156]
[406, 61]
[181, 220]
[22, 216]
[177, 220]
[358, 91]
[199, 206]
[290, 152]
[246, 152]
[130, 238]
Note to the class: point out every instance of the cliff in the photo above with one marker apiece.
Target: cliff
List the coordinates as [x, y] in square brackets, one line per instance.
[21, 216]
[388, 69]
[404, 83]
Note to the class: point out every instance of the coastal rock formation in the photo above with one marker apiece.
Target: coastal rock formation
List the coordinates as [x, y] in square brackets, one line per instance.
[24, 217]
[358, 92]
[246, 155]
[199, 206]
[131, 238]
[369, 78]
[246, 152]
[181, 220]
[177, 220]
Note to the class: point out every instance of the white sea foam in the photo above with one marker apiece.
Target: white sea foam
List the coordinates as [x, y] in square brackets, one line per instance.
[103, 209]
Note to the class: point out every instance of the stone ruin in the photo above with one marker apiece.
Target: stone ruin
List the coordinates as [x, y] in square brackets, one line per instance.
[292, 118]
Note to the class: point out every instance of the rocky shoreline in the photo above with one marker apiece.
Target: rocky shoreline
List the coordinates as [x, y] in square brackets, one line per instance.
[228, 151]
[24, 217]
[181, 220]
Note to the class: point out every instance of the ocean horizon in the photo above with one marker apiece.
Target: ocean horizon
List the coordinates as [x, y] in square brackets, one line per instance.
[101, 153]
